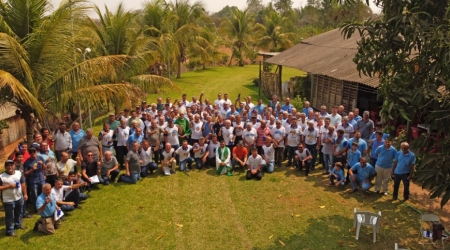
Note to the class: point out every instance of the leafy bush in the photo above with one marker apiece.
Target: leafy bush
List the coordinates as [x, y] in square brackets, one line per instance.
[298, 102]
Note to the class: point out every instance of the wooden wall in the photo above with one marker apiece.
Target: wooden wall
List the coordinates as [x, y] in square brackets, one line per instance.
[16, 130]
[331, 92]
[270, 84]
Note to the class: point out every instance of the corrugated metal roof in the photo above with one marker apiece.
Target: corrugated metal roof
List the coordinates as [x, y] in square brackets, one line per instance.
[326, 54]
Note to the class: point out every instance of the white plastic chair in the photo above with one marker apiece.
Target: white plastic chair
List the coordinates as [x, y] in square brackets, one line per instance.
[362, 218]
[428, 218]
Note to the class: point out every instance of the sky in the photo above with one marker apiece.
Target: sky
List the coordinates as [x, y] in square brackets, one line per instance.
[211, 6]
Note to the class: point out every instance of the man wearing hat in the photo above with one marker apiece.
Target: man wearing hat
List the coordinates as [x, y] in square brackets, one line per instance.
[14, 194]
[34, 169]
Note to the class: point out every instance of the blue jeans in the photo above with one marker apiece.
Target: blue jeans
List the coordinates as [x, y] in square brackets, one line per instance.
[291, 154]
[404, 179]
[327, 161]
[13, 215]
[365, 186]
[35, 190]
[269, 166]
[313, 150]
[199, 163]
[112, 177]
[133, 178]
[189, 162]
[151, 166]
[67, 208]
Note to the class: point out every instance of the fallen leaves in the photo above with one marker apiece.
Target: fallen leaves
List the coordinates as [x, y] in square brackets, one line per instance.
[282, 243]
[351, 244]
[179, 225]
[271, 237]
[279, 196]
[321, 206]
[161, 236]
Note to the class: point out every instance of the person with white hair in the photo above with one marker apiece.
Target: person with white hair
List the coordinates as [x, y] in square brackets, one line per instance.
[366, 127]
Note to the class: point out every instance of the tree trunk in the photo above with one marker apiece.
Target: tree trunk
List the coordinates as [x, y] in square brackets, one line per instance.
[231, 59]
[179, 69]
[29, 122]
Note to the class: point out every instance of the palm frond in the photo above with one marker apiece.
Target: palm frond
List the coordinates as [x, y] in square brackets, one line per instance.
[152, 83]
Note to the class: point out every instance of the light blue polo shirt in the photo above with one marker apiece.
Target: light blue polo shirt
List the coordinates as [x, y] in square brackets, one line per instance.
[385, 156]
[353, 157]
[132, 138]
[50, 208]
[404, 162]
[76, 138]
[375, 145]
[364, 173]
[362, 145]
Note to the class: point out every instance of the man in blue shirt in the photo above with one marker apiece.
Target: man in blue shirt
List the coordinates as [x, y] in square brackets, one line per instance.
[386, 156]
[46, 207]
[33, 168]
[306, 110]
[362, 145]
[259, 107]
[365, 174]
[136, 137]
[402, 170]
[77, 134]
[287, 106]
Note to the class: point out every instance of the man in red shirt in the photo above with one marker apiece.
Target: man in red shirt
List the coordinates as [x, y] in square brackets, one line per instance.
[263, 131]
[240, 154]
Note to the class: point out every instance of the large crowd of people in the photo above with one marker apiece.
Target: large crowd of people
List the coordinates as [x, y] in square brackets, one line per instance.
[169, 137]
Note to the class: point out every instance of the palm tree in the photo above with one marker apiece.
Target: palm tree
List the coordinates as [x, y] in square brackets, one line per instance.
[273, 37]
[238, 28]
[39, 72]
[177, 26]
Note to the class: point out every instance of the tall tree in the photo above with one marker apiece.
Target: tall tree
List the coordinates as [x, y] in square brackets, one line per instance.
[408, 50]
[38, 71]
[283, 6]
[238, 28]
[273, 33]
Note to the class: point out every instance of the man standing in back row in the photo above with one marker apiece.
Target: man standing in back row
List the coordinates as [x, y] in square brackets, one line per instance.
[402, 170]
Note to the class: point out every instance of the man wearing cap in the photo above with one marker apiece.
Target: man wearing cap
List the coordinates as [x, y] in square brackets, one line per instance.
[223, 155]
[14, 194]
[240, 154]
[34, 169]
[366, 127]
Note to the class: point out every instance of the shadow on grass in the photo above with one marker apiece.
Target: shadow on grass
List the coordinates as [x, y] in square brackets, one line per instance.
[326, 232]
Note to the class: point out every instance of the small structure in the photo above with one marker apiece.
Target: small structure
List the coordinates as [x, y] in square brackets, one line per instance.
[269, 82]
[332, 75]
[17, 126]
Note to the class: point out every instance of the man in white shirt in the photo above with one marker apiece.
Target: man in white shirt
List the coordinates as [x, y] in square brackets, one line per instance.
[303, 158]
[67, 165]
[335, 118]
[249, 136]
[347, 127]
[168, 159]
[254, 164]
[70, 202]
[146, 156]
[184, 156]
[269, 154]
[200, 153]
[63, 141]
[219, 101]
[212, 149]
[293, 138]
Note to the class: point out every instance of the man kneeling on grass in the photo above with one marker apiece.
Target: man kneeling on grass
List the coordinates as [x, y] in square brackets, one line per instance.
[132, 165]
[46, 207]
[365, 174]
[254, 164]
[223, 159]
[337, 174]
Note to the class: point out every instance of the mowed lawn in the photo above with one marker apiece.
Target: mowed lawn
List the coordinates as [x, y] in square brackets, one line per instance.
[201, 210]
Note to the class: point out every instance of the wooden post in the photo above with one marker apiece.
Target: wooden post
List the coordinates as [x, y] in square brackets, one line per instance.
[280, 82]
[260, 82]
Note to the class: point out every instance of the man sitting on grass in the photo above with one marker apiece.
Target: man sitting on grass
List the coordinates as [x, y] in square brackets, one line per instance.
[269, 154]
[254, 164]
[69, 202]
[337, 174]
[365, 175]
[109, 168]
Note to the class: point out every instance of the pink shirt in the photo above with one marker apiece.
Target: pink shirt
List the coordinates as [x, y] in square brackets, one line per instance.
[262, 134]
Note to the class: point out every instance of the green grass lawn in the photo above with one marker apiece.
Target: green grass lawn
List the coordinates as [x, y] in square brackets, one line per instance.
[201, 210]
